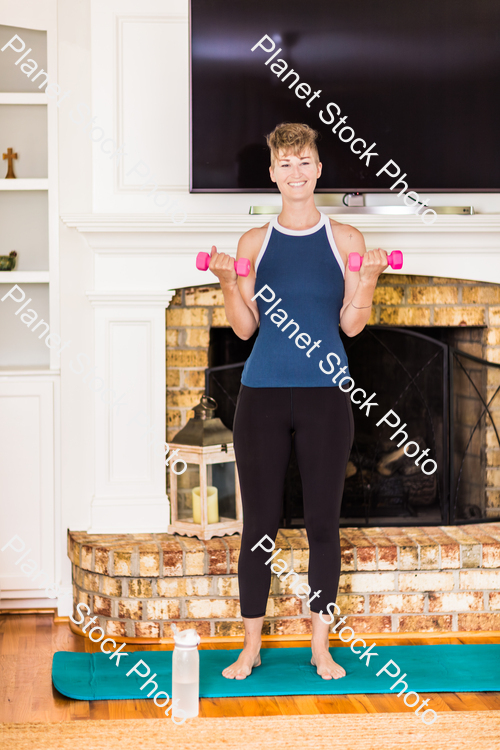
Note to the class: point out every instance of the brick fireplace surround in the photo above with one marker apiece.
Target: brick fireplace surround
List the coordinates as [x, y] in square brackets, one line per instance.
[394, 580]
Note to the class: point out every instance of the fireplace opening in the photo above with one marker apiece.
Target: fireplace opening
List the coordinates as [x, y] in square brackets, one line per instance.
[437, 384]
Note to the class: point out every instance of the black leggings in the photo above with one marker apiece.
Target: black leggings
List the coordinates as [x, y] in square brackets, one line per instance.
[264, 421]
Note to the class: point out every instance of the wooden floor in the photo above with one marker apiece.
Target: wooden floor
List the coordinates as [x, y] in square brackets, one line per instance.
[27, 643]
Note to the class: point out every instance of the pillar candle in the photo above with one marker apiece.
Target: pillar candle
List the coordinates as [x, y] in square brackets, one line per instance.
[212, 505]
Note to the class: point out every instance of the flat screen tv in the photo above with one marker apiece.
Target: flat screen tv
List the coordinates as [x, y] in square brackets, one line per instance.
[420, 80]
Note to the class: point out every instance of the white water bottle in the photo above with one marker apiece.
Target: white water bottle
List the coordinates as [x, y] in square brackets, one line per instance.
[186, 672]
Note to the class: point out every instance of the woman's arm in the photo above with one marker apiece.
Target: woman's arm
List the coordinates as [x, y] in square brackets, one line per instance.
[359, 285]
[241, 311]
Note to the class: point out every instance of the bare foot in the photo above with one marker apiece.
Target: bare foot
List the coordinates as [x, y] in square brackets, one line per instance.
[326, 667]
[242, 667]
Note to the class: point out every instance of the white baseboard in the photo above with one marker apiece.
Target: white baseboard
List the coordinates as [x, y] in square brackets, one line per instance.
[63, 604]
[27, 604]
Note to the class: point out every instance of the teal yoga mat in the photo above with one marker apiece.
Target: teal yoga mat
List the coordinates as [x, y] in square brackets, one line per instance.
[285, 671]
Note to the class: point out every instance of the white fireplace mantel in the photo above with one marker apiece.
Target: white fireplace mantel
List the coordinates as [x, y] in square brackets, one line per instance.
[146, 252]
[138, 262]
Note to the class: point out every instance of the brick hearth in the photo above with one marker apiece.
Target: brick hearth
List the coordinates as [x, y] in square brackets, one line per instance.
[399, 580]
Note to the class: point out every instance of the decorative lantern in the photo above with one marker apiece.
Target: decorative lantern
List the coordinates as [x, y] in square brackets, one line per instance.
[205, 500]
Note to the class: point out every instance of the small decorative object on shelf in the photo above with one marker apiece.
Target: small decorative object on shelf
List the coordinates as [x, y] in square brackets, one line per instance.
[8, 262]
[205, 499]
[10, 156]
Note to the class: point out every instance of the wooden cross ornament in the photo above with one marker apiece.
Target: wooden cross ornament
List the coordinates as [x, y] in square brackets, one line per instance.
[10, 156]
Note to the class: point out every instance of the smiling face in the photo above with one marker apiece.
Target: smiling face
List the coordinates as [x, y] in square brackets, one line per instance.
[295, 175]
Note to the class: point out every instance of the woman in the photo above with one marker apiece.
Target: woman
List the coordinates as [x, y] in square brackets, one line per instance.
[301, 257]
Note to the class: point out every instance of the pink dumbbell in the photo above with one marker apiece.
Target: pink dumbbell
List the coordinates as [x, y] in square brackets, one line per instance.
[241, 266]
[395, 260]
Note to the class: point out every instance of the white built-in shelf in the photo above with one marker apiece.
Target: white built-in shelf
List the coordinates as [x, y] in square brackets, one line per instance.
[41, 183]
[28, 98]
[24, 277]
[7, 371]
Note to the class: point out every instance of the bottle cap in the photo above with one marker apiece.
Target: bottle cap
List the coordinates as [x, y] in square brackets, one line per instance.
[186, 638]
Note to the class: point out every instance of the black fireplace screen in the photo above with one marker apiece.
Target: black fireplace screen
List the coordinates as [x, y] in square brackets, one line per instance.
[445, 400]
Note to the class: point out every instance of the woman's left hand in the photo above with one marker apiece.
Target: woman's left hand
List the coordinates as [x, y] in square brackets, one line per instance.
[374, 263]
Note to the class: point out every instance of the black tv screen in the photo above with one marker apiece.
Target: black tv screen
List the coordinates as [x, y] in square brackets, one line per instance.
[420, 80]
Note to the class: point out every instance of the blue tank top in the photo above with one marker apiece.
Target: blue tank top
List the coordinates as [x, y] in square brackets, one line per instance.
[305, 272]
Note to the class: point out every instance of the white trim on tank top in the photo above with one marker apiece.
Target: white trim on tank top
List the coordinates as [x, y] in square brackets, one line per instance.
[324, 221]
[264, 245]
[334, 247]
[299, 232]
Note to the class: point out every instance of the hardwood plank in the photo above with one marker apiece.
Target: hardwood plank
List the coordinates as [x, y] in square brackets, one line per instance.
[252, 706]
[59, 707]
[41, 705]
[98, 710]
[9, 691]
[79, 710]
[478, 639]
[267, 706]
[452, 701]
[290, 644]
[463, 701]
[363, 704]
[432, 642]
[43, 633]
[387, 703]
[287, 705]
[63, 639]
[212, 707]
[335, 704]
[435, 701]
[306, 704]
[11, 634]
[149, 710]
[230, 706]
[490, 700]
[134, 709]
[248, 705]
[21, 704]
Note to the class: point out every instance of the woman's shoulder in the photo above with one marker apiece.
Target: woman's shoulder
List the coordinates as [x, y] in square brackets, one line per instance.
[347, 239]
[251, 242]
[344, 231]
[255, 233]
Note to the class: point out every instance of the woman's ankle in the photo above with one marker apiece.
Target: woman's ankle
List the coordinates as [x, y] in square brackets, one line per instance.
[320, 644]
[252, 644]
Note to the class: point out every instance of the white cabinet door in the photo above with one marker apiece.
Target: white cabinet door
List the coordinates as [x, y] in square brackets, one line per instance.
[26, 488]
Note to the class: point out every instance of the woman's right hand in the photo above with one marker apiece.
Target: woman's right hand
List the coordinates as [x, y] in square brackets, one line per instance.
[222, 266]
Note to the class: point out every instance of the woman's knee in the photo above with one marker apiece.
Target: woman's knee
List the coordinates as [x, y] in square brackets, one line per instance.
[322, 534]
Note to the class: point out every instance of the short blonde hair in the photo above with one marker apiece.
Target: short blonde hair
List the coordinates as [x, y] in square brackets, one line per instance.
[292, 137]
